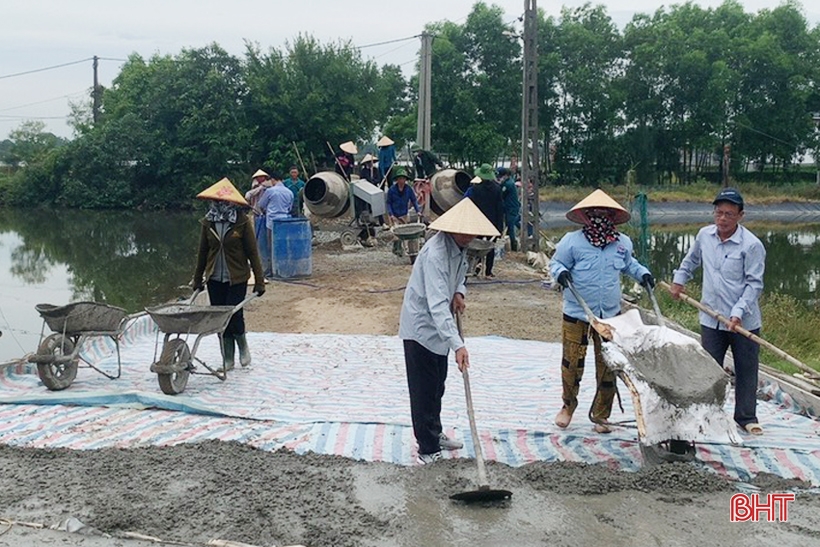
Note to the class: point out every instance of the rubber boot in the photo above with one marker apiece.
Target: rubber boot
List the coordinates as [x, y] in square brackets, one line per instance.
[244, 352]
[228, 351]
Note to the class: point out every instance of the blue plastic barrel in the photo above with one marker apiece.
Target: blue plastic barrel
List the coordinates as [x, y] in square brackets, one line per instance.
[291, 252]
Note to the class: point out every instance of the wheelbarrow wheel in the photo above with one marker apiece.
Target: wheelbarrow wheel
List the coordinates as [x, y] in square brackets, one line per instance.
[669, 451]
[57, 376]
[348, 237]
[175, 353]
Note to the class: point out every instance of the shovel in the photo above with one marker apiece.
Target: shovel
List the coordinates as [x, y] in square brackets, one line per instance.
[601, 328]
[651, 292]
[484, 493]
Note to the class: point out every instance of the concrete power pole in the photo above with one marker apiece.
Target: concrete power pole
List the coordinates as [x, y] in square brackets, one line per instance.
[530, 164]
[423, 127]
[95, 94]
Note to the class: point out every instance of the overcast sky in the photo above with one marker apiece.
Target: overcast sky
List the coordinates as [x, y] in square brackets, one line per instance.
[37, 34]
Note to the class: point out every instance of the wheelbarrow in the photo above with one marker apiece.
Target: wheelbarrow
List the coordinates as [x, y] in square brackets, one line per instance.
[410, 235]
[58, 355]
[178, 321]
[477, 250]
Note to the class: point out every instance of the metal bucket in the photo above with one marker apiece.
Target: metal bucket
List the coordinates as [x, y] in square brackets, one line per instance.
[447, 188]
[327, 194]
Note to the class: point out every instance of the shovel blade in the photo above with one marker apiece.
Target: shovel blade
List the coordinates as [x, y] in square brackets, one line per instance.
[482, 495]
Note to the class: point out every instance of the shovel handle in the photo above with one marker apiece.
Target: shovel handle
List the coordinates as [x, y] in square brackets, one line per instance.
[651, 292]
[483, 483]
[740, 330]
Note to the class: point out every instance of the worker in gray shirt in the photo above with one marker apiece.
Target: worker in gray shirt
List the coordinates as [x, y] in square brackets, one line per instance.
[434, 293]
[733, 261]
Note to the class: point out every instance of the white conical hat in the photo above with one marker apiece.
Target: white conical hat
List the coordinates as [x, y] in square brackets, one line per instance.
[259, 173]
[367, 158]
[385, 141]
[598, 200]
[223, 190]
[349, 147]
[476, 180]
[464, 218]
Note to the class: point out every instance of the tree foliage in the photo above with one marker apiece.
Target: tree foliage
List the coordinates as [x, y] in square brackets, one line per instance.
[661, 97]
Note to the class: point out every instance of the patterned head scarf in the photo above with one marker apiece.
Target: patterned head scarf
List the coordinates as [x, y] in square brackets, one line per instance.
[222, 211]
[599, 228]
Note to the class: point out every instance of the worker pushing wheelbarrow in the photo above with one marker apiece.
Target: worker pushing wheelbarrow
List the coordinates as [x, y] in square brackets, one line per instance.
[408, 234]
[227, 254]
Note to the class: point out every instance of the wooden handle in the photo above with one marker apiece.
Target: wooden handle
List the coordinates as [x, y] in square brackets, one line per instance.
[483, 482]
[740, 330]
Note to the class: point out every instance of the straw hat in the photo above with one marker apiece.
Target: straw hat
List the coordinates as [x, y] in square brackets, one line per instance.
[464, 218]
[367, 158]
[598, 200]
[475, 180]
[260, 173]
[385, 141]
[485, 172]
[224, 190]
[349, 147]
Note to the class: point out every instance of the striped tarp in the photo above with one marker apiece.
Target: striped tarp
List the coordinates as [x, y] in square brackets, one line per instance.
[346, 395]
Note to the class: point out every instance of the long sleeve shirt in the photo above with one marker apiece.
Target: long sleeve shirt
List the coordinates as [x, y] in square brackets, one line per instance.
[438, 274]
[276, 202]
[397, 201]
[732, 275]
[596, 273]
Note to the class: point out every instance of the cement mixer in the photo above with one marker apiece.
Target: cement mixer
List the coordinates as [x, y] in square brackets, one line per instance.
[447, 188]
[329, 195]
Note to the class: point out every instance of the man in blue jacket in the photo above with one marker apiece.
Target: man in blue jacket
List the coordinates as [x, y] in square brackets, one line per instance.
[592, 259]
[399, 195]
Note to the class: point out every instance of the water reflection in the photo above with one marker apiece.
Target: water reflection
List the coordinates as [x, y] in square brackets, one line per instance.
[127, 259]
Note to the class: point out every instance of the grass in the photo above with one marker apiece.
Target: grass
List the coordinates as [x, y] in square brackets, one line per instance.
[701, 192]
[787, 324]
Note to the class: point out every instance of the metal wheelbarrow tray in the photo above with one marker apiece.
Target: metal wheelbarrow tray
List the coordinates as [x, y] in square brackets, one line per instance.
[477, 249]
[176, 361]
[410, 234]
[678, 390]
[58, 354]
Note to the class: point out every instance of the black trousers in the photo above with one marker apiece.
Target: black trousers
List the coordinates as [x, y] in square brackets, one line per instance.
[747, 360]
[426, 374]
[225, 294]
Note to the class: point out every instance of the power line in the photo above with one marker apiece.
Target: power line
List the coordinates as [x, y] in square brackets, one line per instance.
[44, 101]
[44, 69]
[388, 42]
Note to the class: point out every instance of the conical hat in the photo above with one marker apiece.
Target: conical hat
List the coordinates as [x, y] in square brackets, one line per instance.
[259, 173]
[224, 190]
[464, 218]
[385, 141]
[598, 200]
[367, 158]
[475, 180]
[349, 147]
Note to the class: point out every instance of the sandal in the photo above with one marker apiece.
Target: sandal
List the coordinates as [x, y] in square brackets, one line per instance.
[753, 428]
[602, 428]
[564, 418]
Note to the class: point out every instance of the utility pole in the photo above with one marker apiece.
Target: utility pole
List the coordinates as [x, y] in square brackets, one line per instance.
[530, 164]
[95, 94]
[425, 69]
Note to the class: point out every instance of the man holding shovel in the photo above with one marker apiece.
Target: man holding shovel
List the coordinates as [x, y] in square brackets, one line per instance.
[590, 261]
[434, 293]
[733, 261]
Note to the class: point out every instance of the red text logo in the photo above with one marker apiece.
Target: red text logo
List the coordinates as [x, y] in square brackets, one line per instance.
[774, 507]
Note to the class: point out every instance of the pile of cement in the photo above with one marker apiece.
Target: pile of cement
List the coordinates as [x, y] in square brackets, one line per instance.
[194, 493]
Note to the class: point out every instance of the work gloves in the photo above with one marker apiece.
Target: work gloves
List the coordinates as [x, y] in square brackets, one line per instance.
[564, 278]
[647, 281]
[259, 289]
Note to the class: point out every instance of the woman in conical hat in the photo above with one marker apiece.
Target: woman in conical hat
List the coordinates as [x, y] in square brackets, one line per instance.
[427, 326]
[387, 156]
[592, 259]
[227, 253]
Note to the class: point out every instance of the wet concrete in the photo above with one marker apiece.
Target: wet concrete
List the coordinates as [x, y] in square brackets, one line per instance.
[194, 493]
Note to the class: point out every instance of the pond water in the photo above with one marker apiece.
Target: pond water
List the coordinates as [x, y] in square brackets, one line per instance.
[138, 259]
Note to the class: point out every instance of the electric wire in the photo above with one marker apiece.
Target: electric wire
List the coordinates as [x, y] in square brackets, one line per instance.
[3, 77]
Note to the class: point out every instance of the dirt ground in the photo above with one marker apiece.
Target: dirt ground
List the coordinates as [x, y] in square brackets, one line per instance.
[192, 494]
